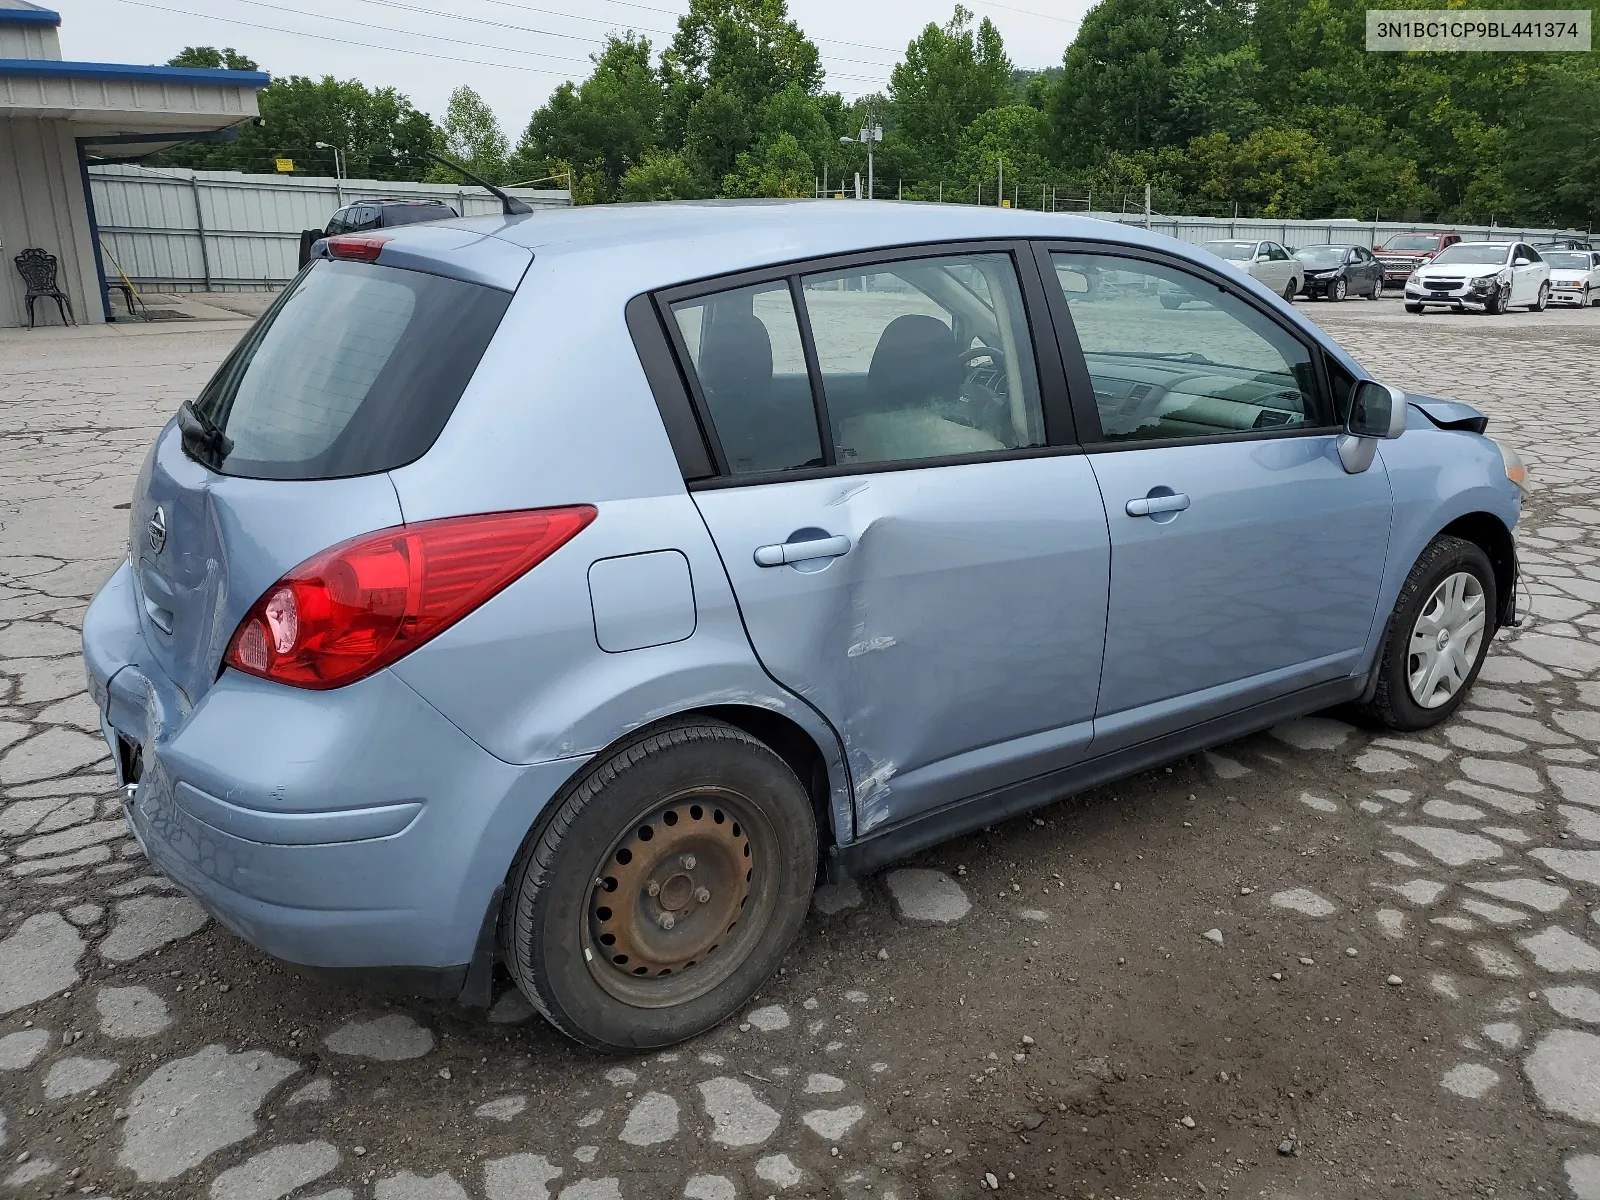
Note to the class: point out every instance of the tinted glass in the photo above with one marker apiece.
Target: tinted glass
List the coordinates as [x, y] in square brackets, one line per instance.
[1172, 355]
[354, 370]
[744, 347]
[1276, 252]
[925, 358]
[1474, 253]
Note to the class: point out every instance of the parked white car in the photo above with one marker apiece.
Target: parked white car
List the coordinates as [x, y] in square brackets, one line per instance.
[1267, 261]
[1491, 276]
[1574, 276]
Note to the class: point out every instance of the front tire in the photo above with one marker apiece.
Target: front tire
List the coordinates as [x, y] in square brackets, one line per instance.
[1438, 636]
[1338, 290]
[665, 889]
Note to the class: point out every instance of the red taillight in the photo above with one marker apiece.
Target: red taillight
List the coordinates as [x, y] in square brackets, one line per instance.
[357, 607]
[363, 247]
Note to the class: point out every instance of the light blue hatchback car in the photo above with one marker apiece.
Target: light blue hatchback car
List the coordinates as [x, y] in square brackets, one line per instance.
[569, 591]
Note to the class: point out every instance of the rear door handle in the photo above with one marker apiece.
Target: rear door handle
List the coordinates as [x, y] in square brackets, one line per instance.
[1144, 506]
[793, 552]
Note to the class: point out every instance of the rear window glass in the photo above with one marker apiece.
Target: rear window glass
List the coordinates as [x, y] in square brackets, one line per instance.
[354, 370]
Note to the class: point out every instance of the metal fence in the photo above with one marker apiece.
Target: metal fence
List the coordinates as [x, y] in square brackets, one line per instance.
[172, 229]
[1311, 233]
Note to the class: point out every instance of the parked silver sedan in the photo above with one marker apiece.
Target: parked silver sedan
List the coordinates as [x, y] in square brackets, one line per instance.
[1267, 261]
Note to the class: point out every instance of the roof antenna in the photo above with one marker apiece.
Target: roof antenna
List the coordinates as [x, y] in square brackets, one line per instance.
[509, 204]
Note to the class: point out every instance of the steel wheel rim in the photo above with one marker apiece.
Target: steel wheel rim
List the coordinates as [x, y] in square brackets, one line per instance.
[682, 906]
[1445, 640]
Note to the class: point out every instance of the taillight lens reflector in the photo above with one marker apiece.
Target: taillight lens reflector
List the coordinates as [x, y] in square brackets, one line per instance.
[363, 247]
[359, 606]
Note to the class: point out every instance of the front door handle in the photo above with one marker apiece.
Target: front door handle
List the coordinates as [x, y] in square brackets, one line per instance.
[793, 552]
[1145, 506]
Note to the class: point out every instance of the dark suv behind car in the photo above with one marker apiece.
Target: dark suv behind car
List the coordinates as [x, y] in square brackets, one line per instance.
[374, 214]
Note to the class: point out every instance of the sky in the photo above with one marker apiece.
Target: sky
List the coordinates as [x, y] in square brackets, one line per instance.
[518, 50]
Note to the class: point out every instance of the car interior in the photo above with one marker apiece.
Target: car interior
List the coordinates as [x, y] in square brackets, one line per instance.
[933, 386]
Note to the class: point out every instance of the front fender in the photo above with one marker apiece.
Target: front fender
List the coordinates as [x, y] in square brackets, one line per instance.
[1437, 477]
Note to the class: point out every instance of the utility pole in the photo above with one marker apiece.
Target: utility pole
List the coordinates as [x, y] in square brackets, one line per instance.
[1147, 206]
[870, 132]
[1000, 185]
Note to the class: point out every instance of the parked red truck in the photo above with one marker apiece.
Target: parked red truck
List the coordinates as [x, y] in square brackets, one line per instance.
[1405, 252]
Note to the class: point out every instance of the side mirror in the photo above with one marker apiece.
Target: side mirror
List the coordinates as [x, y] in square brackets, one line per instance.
[1522, 262]
[1376, 411]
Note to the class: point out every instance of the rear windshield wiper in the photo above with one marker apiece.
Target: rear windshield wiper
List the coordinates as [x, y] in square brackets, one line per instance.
[203, 439]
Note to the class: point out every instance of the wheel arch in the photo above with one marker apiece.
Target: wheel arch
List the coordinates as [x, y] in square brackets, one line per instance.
[1489, 533]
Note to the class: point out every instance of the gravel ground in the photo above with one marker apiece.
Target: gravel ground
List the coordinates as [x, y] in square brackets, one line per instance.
[1313, 963]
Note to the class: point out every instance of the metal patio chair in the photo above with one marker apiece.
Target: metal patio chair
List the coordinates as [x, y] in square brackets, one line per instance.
[38, 270]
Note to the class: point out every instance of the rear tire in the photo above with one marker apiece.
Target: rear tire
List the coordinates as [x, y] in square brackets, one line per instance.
[1289, 289]
[722, 831]
[1377, 290]
[1407, 697]
[1543, 302]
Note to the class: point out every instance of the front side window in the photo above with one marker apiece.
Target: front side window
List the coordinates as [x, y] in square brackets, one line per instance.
[744, 347]
[1276, 252]
[1172, 355]
[925, 358]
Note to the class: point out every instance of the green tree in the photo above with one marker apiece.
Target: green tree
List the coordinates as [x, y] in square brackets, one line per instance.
[472, 137]
[226, 59]
[659, 175]
[781, 168]
[1014, 137]
[379, 133]
[604, 126]
[949, 77]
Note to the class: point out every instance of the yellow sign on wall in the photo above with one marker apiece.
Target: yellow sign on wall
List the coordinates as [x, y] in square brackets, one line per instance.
[1005, 204]
[286, 165]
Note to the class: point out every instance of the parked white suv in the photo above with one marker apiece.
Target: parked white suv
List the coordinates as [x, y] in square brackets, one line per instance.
[1491, 276]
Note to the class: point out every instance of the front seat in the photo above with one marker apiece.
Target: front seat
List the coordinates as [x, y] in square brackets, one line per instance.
[914, 368]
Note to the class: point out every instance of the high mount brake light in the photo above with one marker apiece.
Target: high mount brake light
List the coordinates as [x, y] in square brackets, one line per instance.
[362, 247]
[356, 607]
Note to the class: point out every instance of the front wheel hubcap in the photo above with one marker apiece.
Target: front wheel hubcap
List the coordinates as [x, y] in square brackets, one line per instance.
[1446, 639]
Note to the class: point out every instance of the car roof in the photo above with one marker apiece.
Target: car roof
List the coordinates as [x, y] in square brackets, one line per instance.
[667, 242]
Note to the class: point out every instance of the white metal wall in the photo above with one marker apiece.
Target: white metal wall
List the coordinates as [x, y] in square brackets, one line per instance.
[174, 229]
[1311, 233]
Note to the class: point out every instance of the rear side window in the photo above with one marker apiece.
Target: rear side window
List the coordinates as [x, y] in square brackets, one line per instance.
[412, 214]
[354, 370]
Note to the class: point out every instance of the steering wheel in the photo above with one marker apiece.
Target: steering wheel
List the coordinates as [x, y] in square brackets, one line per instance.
[996, 359]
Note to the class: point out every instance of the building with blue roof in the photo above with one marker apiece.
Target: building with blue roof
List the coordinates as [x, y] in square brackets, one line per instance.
[57, 116]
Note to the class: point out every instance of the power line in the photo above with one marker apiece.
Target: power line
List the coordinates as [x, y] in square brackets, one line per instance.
[452, 16]
[1027, 12]
[674, 13]
[434, 36]
[323, 37]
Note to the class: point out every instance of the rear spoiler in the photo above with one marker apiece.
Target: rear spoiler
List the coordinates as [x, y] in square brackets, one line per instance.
[1449, 414]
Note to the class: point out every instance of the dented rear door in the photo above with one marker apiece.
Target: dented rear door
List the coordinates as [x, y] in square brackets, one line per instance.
[948, 620]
